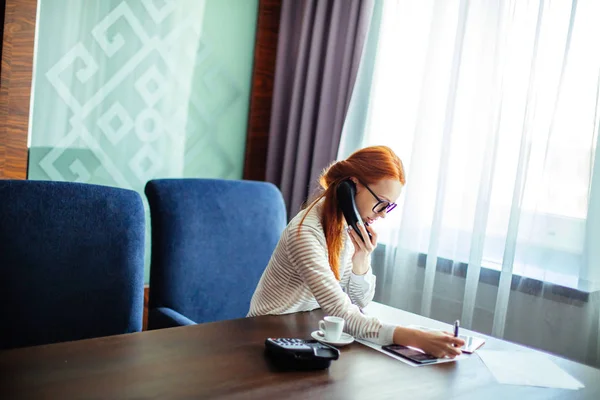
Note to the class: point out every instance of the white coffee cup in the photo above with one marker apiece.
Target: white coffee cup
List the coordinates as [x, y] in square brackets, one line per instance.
[332, 328]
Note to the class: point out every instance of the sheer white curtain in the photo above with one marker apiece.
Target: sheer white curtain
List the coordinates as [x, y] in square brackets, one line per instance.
[493, 107]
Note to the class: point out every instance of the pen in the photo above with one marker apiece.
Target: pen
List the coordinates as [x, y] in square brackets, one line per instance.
[456, 324]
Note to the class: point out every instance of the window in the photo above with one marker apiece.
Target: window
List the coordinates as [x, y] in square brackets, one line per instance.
[494, 110]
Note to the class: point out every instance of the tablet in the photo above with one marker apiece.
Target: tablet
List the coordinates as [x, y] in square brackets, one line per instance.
[414, 355]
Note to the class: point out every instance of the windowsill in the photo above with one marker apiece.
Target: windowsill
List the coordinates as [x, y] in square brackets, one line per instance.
[520, 283]
[575, 289]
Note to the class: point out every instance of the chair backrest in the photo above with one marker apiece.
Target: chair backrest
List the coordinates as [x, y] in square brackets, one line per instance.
[211, 241]
[71, 262]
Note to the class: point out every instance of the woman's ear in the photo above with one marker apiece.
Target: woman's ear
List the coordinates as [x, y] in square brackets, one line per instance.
[355, 181]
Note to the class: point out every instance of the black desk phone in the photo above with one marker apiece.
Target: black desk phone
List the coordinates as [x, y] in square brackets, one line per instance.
[298, 354]
[346, 192]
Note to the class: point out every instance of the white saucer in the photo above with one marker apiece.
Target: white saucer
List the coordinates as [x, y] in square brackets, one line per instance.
[344, 340]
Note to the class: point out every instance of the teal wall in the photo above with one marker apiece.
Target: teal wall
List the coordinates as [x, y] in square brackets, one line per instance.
[127, 91]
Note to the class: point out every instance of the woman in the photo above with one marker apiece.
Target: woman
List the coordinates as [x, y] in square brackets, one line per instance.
[319, 262]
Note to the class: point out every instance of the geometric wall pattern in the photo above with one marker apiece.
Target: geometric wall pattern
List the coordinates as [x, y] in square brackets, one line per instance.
[130, 90]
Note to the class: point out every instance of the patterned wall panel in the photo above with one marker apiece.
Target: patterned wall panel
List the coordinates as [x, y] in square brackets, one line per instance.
[130, 90]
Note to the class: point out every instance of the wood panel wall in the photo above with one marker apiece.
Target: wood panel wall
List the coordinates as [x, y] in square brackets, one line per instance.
[146, 300]
[263, 78]
[15, 87]
[2, 10]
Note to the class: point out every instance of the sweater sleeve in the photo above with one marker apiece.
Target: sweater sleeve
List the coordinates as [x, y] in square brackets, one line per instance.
[361, 288]
[307, 252]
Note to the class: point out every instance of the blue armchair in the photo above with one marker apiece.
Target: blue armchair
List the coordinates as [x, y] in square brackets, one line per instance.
[71, 262]
[211, 241]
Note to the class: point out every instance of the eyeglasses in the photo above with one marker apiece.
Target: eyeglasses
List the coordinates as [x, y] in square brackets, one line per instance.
[382, 205]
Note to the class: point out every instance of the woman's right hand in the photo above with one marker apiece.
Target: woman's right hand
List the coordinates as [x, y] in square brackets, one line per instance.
[438, 344]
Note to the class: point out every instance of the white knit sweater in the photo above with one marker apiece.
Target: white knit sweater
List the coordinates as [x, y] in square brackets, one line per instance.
[299, 278]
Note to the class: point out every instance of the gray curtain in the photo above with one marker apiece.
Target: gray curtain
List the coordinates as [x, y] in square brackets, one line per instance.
[318, 54]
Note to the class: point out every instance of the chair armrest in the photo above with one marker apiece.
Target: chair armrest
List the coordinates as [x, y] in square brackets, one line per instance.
[164, 317]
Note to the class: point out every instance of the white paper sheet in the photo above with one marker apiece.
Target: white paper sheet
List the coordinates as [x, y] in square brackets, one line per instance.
[527, 368]
[404, 360]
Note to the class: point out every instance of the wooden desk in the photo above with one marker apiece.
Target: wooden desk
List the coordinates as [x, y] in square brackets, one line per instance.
[226, 360]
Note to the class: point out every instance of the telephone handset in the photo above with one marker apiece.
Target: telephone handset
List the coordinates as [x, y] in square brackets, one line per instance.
[346, 192]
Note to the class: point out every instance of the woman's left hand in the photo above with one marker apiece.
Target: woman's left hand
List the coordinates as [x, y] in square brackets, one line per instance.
[362, 250]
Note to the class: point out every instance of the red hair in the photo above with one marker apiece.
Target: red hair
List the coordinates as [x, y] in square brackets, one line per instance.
[368, 165]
